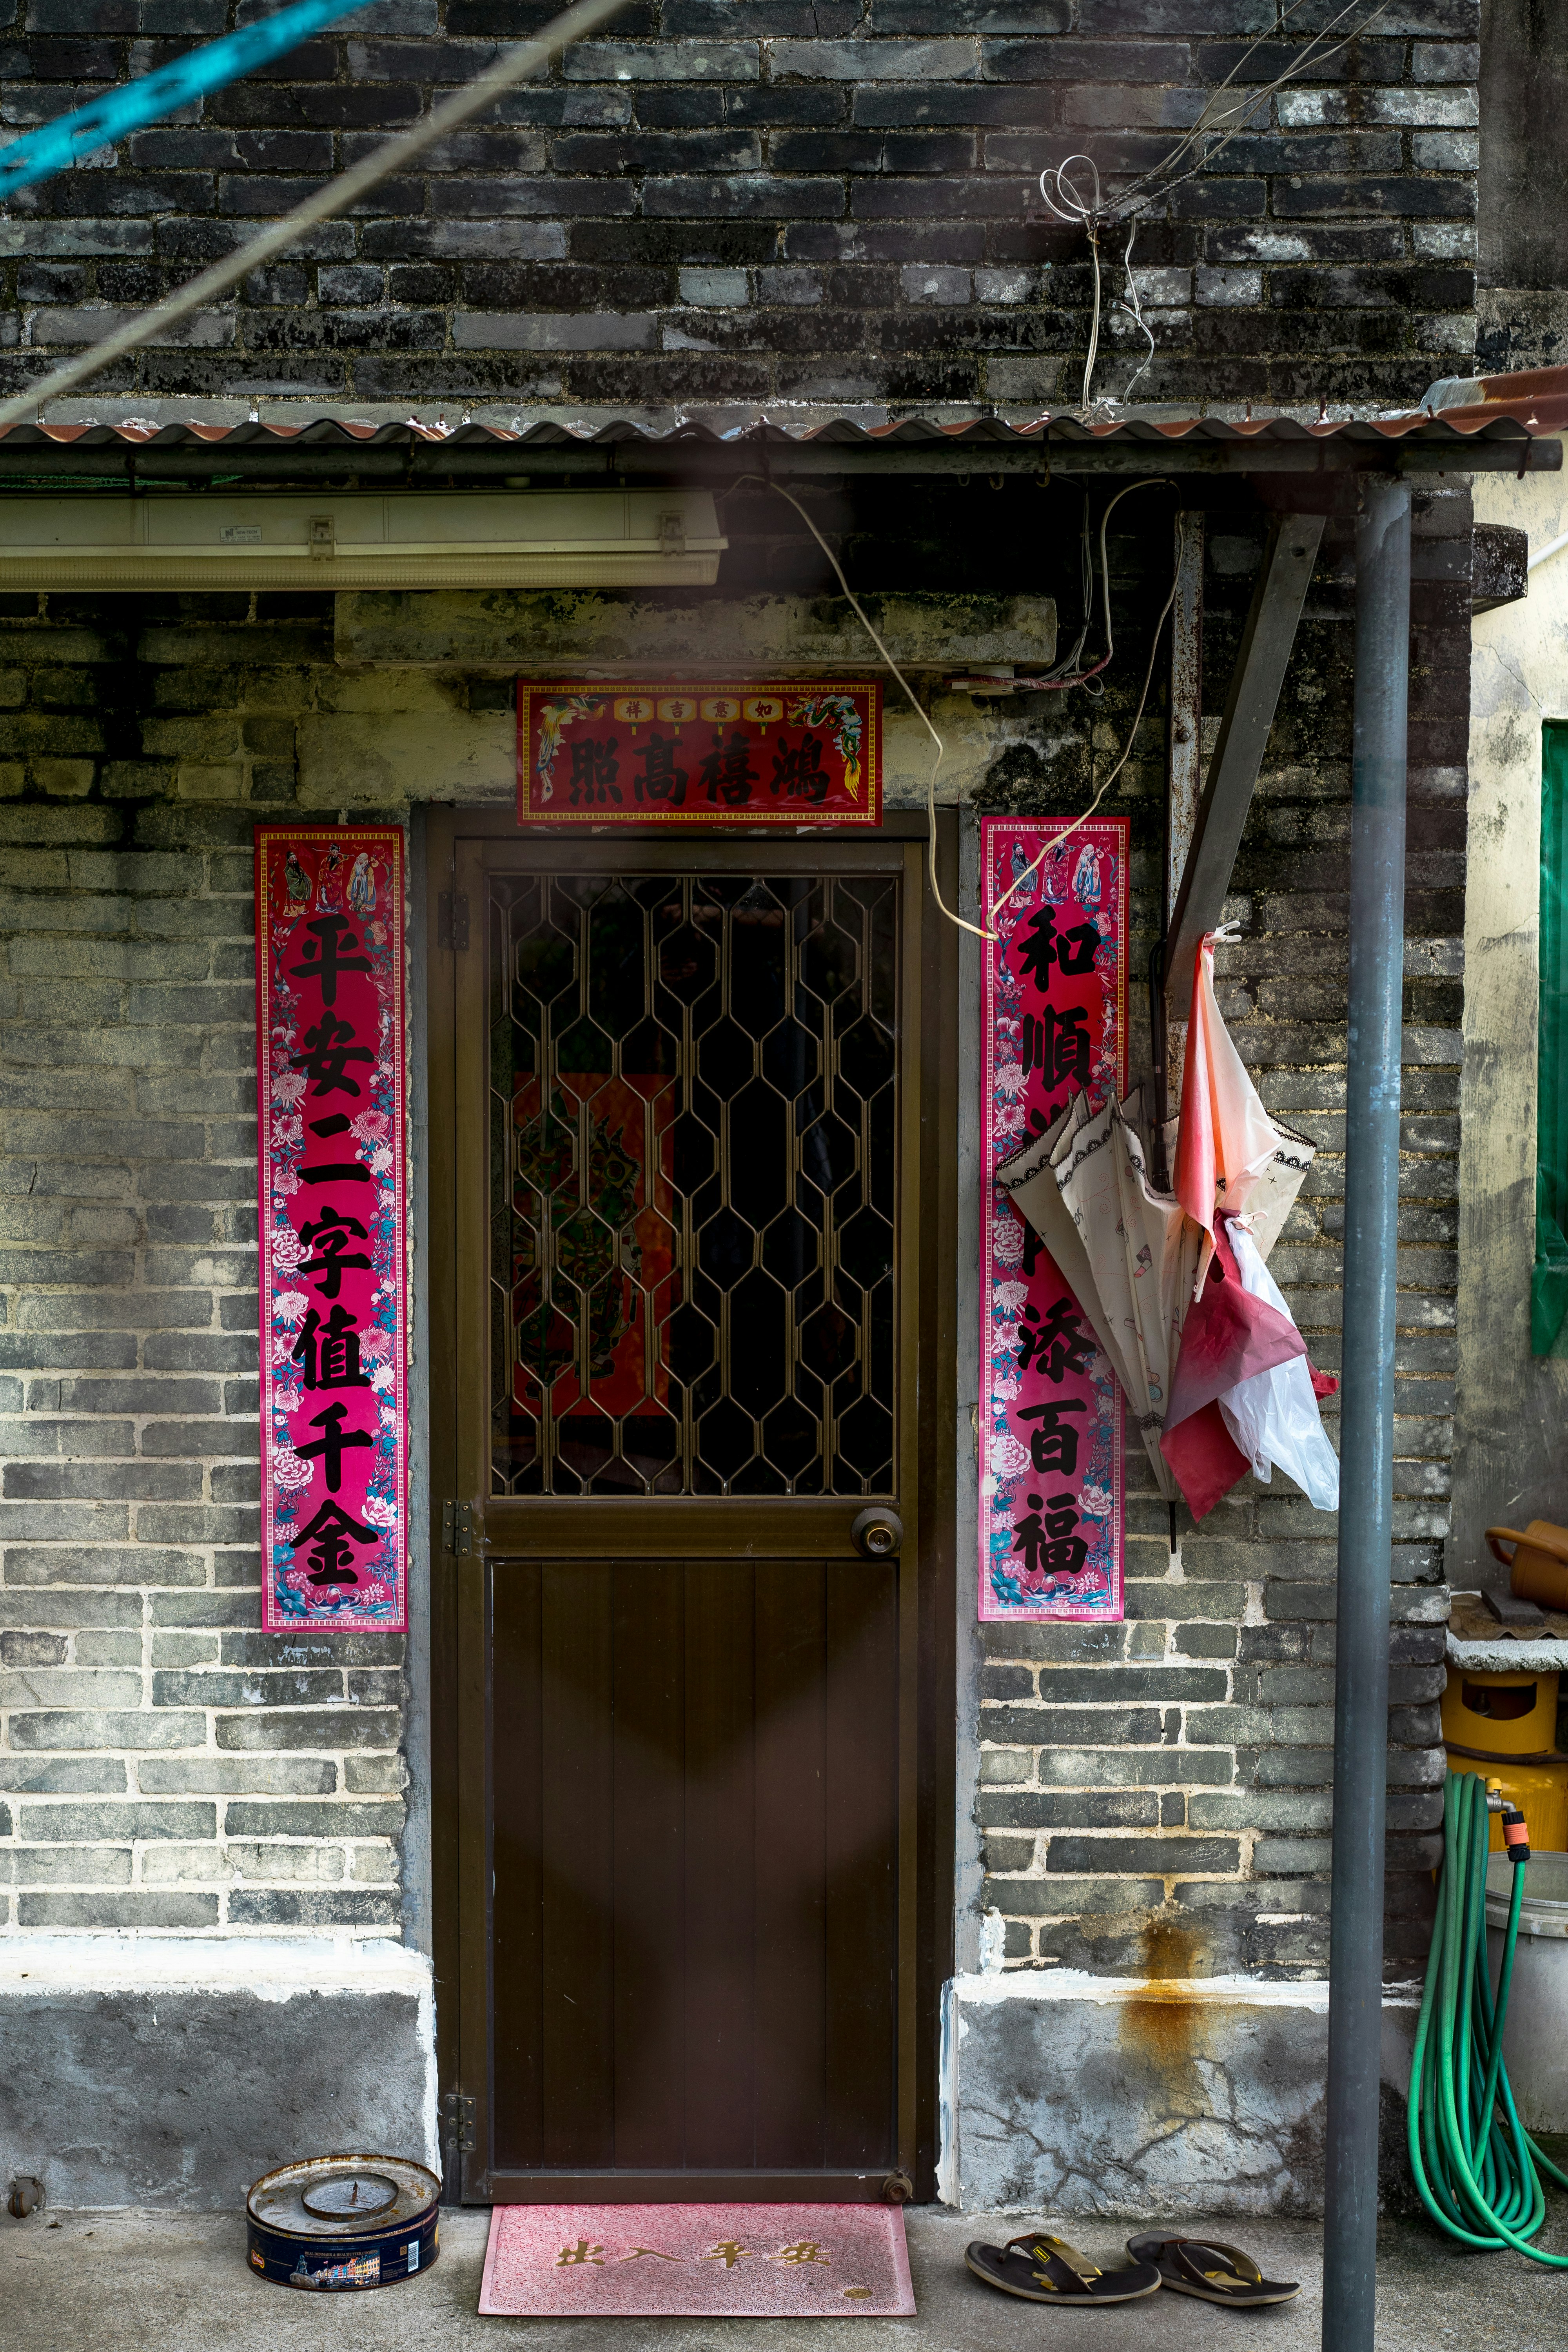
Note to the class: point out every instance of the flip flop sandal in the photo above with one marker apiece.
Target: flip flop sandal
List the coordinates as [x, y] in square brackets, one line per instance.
[1216, 2273]
[1048, 2270]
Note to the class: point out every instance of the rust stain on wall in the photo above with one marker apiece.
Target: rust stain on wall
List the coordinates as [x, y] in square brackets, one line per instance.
[1160, 2023]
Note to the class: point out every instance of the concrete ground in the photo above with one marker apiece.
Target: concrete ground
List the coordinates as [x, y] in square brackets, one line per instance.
[127, 2281]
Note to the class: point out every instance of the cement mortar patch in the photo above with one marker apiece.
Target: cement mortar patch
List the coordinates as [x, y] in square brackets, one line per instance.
[401, 744]
[174, 2071]
[1124, 2097]
[594, 635]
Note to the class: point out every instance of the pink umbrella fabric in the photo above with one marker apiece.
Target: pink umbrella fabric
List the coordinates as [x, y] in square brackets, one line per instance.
[1227, 1139]
[1227, 1335]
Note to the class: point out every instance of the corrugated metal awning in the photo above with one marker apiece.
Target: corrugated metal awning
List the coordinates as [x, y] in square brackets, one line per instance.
[1464, 425]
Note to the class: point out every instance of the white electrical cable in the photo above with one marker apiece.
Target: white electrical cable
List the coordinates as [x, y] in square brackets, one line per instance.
[345, 189]
[1057, 840]
[1555, 547]
[909, 696]
[978, 930]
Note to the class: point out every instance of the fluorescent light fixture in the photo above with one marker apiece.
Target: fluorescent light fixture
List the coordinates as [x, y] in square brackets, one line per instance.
[412, 538]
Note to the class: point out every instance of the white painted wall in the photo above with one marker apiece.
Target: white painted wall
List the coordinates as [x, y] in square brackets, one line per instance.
[1510, 1463]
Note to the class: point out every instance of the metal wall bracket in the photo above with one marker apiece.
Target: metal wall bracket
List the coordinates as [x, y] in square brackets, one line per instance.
[458, 2121]
[1260, 666]
[457, 1530]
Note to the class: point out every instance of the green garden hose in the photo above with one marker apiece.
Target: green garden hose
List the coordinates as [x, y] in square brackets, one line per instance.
[1476, 2168]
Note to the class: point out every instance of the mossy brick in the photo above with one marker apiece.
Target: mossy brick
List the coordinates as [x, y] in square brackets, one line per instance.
[73, 1609]
[31, 824]
[1039, 1726]
[208, 1607]
[1079, 1809]
[33, 1649]
[1208, 1856]
[323, 1819]
[256, 1688]
[278, 1863]
[144, 1393]
[48, 1686]
[109, 1649]
[287, 1908]
[90, 1727]
[73, 1865]
[135, 1482]
[1283, 1856]
[1255, 1809]
[1133, 1767]
[96, 1910]
[1152, 1685]
[36, 1436]
[1063, 1897]
[374, 1776]
[196, 1523]
[319, 1727]
[63, 1776]
[31, 1525]
[198, 1441]
[186, 1865]
[87, 1310]
[199, 1352]
[70, 1561]
[1193, 1598]
[72, 1824]
[1062, 1643]
[236, 1776]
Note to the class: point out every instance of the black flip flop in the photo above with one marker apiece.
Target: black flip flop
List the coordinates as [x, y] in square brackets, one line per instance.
[1213, 2272]
[1048, 2270]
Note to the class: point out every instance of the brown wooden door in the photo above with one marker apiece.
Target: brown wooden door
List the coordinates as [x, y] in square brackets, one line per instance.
[687, 1354]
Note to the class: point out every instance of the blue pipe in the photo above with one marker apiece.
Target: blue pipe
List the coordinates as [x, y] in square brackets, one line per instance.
[61, 145]
[1366, 1424]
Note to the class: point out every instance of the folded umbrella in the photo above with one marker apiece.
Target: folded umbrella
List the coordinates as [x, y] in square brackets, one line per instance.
[1230, 1154]
[1124, 1250]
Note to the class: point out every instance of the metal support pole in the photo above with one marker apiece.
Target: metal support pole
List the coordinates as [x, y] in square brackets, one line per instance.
[1366, 1443]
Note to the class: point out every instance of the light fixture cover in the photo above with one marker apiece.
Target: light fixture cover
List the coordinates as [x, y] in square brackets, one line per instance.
[362, 539]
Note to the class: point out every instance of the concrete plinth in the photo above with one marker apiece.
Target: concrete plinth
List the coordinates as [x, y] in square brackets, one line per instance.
[1073, 2094]
[175, 2071]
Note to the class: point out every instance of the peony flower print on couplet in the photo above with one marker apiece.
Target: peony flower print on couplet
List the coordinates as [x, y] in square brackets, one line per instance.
[1051, 1410]
[334, 1319]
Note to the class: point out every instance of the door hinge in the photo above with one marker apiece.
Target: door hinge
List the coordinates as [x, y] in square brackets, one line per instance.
[452, 921]
[457, 2120]
[457, 1530]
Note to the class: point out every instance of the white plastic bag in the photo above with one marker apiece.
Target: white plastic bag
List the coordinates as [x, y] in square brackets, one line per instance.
[1274, 1416]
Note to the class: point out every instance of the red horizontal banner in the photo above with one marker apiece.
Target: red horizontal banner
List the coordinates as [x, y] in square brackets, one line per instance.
[698, 754]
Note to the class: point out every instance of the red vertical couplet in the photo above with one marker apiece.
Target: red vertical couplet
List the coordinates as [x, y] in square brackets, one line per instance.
[335, 1317]
[1054, 1018]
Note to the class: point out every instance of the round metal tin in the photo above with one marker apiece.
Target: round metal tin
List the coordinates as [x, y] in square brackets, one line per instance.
[343, 2222]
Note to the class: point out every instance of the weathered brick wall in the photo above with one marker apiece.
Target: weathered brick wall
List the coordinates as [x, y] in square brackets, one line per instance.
[741, 203]
[1157, 1795]
[163, 1763]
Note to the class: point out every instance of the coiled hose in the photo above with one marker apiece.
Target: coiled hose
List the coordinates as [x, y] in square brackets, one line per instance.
[1476, 2168]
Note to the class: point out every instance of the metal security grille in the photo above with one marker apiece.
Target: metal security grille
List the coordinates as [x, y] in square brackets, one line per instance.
[693, 1127]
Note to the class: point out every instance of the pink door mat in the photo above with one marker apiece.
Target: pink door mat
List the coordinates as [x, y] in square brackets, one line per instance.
[646, 2261]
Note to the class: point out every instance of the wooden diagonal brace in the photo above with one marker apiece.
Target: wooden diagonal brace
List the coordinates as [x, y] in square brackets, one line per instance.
[1259, 673]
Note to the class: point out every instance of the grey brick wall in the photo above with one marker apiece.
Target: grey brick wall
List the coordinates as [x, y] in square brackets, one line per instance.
[164, 1765]
[738, 203]
[1156, 1796]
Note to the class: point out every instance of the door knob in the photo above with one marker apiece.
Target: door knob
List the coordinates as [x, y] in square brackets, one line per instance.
[878, 1533]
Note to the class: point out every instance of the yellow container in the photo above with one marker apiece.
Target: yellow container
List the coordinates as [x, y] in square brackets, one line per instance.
[1539, 1790]
[1501, 1714]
